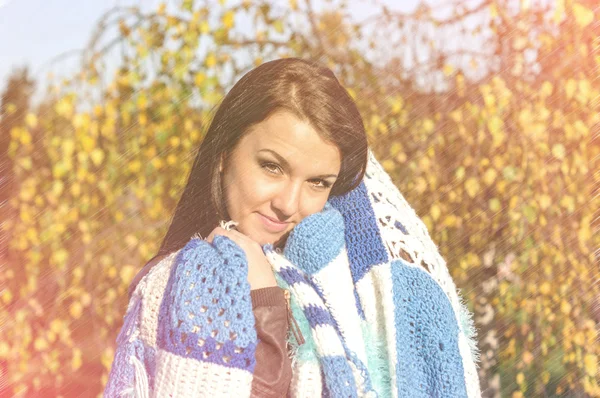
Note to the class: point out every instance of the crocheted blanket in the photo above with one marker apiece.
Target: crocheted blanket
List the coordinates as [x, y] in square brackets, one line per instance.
[373, 298]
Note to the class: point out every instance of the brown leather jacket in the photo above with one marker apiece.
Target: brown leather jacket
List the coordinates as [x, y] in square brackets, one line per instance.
[273, 370]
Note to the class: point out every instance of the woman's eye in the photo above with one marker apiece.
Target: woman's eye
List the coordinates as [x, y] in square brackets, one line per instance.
[274, 168]
[323, 184]
[271, 167]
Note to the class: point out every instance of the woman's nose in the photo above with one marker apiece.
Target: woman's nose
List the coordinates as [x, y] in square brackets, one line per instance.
[287, 200]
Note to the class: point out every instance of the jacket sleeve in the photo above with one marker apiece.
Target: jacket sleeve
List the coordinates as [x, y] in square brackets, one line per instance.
[273, 371]
[127, 374]
[242, 332]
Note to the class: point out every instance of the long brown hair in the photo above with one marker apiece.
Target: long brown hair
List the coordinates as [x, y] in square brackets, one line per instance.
[305, 88]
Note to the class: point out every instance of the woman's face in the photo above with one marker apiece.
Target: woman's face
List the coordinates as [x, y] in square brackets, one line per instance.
[280, 172]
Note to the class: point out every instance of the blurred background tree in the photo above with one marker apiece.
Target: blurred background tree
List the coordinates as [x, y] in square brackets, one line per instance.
[485, 114]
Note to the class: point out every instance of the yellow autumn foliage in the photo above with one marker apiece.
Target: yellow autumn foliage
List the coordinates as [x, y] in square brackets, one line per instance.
[501, 169]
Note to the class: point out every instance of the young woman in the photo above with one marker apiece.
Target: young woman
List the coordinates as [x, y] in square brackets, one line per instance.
[285, 162]
[285, 138]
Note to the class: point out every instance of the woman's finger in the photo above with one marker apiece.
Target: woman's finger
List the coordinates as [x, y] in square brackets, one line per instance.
[216, 231]
[237, 237]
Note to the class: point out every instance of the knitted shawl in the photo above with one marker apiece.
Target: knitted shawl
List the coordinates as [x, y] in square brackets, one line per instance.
[373, 298]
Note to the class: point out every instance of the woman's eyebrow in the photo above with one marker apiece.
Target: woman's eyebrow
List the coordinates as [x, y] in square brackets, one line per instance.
[286, 165]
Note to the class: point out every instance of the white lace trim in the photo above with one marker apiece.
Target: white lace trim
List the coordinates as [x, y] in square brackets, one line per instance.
[391, 205]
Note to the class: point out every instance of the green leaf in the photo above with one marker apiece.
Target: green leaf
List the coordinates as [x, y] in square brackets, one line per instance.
[188, 5]
[161, 137]
[530, 214]
[495, 204]
[509, 173]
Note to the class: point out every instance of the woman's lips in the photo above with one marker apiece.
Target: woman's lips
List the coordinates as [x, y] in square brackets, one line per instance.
[273, 226]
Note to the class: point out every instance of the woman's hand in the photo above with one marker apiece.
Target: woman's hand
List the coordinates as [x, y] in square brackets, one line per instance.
[260, 273]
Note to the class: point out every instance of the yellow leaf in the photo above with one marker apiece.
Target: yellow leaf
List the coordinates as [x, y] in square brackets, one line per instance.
[24, 137]
[584, 88]
[472, 187]
[590, 363]
[559, 11]
[583, 15]
[420, 185]
[127, 273]
[199, 78]
[428, 125]
[31, 120]
[493, 10]
[59, 257]
[451, 221]
[157, 163]
[547, 89]
[211, 60]
[278, 25]
[204, 27]
[494, 204]
[76, 309]
[490, 176]
[81, 121]
[75, 189]
[570, 88]
[527, 357]
[581, 129]
[520, 378]
[64, 107]
[6, 296]
[460, 173]
[4, 349]
[97, 156]
[86, 299]
[107, 357]
[351, 92]
[382, 127]
[56, 326]
[57, 188]
[435, 212]
[388, 165]
[142, 119]
[585, 232]
[40, 344]
[131, 240]
[142, 101]
[565, 307]
[27, 191]
[135, 166]
[228, 19]
[495, 125]
[68, 146]
[76, 361]
[456, 116]
[520, 43]
[579, 338]
[448, 70]
[558, 151]
[25, 163]
[88, 143]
